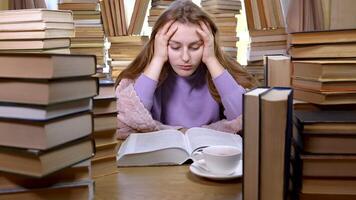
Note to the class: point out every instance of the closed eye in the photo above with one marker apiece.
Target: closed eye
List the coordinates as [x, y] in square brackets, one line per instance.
[195, 47]
[174, 47]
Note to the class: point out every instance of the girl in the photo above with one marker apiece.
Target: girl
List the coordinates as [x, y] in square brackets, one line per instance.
[181, 78]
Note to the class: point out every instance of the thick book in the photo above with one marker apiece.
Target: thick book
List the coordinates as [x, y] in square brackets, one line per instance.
[314, 196]
[104, 106]
[322, 37]
[44, 135]
[39, 34]
[32, 15]
[79, 190]
[46, 92]
[336, 186]
[78, 172]
[341, 166]
[40, 163]
[337, 50]
[41, 113]
[275, 143]
[251, 138]
[325, 70]
[105, 122]
[324, 86]
[278, 70]
[326, 98]
[32, 26]
[326, 132]
[104, 166]
[46, 66]
[34, 44]
[170, 147]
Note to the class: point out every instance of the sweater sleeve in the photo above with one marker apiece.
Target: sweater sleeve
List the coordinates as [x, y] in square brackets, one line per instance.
[231, 94]
[145, 89]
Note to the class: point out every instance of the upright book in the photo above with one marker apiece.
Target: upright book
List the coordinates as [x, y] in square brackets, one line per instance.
[251, 138]
[267, 143]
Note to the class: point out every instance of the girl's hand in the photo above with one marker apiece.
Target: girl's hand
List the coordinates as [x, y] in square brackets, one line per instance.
[209, 57]
[160, 54]
[161, 41]
[208, 39]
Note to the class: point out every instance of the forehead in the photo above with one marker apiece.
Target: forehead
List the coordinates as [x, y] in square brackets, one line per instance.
[186, 33]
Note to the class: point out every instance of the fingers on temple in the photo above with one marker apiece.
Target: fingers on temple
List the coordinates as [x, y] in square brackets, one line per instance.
[204, 36]
[166, 27]
[171, 31]
[204, 27]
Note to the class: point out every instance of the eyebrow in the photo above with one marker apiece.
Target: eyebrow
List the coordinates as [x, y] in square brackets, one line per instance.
[192, 43]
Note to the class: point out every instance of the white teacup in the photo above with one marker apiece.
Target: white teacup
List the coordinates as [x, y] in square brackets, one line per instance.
[219, 159]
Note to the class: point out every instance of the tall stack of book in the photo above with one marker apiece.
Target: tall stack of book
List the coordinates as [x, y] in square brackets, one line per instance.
[324, 75]
[256, 69]
[325, 158]
[46, 125]
[266, 28]
[157, 8]
[89, 34]
[35, 31]
[224, 15]
[123, 50]
[105, 125]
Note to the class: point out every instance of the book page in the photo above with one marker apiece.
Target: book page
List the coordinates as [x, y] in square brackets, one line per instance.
[153, 141]
[201, 137]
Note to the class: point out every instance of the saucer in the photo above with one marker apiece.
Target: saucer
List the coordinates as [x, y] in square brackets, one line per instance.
[199, 171]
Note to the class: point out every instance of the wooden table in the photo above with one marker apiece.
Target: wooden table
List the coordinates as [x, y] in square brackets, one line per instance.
[163, 182]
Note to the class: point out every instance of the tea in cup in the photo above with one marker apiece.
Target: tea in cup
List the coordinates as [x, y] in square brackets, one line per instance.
[220, 159]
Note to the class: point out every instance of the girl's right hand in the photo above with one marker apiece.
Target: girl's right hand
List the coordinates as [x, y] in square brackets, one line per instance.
[162, 37]
[160, 54]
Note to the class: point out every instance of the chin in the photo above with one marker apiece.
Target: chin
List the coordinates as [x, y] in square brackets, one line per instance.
[183, 73]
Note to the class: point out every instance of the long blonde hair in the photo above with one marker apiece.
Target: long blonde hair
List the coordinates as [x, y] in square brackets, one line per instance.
[186, 11]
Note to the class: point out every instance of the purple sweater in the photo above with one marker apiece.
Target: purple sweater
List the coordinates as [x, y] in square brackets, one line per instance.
[187, 102]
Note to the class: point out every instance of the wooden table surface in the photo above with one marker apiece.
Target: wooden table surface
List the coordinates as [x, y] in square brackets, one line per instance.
[163, 182]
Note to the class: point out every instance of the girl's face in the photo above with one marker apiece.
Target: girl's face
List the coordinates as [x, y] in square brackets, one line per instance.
[185, 49]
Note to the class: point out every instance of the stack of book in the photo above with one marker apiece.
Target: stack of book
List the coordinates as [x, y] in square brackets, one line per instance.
[46, 125]
[123, 50]
[324, 76]
[224, 15]
[105, 124]
[89, 34]
[35, 31]
[324, 66]
[325, 154]
[266, 28]
[157, 8]
[257, 70]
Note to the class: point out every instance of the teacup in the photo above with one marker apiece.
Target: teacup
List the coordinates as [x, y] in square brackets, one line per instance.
[219, 159]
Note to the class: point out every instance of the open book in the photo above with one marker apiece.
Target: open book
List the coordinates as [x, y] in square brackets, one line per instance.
[170, 147]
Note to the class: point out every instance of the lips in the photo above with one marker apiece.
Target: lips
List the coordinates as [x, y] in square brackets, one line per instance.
[186, 67]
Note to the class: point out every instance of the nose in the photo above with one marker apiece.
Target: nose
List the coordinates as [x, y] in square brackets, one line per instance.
[185, 55]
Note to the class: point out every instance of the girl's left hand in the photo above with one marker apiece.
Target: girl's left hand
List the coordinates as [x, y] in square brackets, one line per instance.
[208, 39]
[209, 57]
